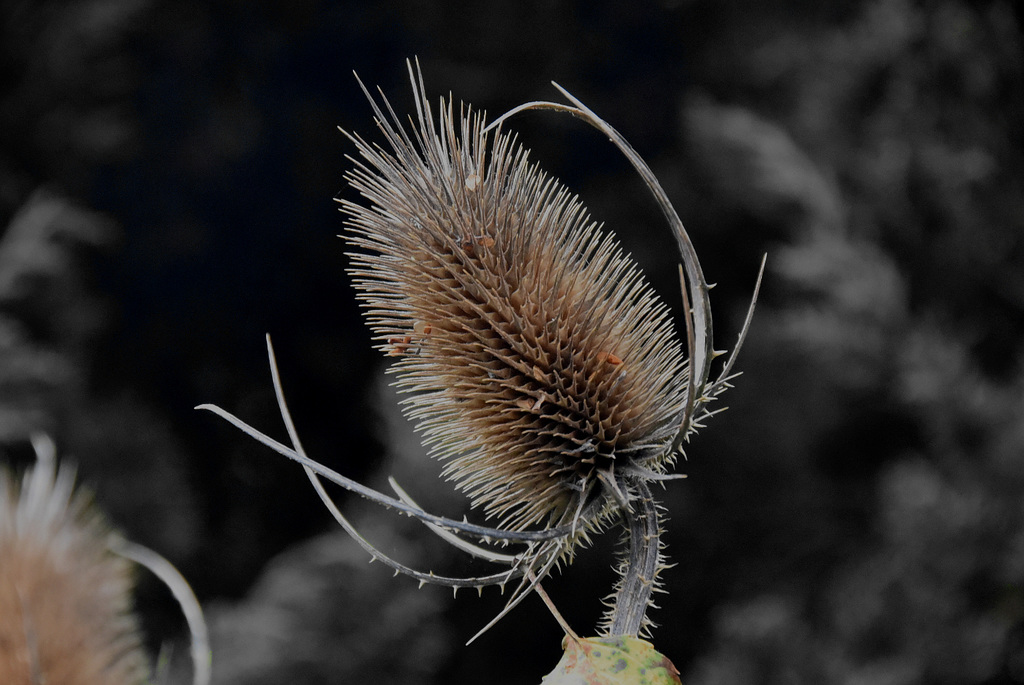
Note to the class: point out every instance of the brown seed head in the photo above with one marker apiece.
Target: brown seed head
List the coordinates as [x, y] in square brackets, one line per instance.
[65, 599]
[535, 353]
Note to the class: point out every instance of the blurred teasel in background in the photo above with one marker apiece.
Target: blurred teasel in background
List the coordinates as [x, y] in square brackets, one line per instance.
[65, 599]
[66, 586]
[540, 366]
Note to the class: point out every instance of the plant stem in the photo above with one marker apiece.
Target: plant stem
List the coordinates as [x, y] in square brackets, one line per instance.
[641, 564]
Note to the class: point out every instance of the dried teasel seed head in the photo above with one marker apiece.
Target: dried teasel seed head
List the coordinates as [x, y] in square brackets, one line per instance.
[65, 598]
[549, 359]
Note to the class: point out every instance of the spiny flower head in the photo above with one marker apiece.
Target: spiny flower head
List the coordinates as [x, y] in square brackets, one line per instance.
[539, 364]
[537, 358]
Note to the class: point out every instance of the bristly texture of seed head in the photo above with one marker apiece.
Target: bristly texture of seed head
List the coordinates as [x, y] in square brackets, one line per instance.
[535, 354]
[65, 599]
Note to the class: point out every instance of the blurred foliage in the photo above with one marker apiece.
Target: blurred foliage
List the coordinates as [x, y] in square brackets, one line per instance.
[166, 175]
[887, 160]
[320, 614]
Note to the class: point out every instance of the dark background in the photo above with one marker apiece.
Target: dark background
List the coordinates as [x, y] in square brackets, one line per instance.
[167, 181]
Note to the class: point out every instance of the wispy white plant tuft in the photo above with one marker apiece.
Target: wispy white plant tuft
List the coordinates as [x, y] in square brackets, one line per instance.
[65, 599]
[66, 582]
